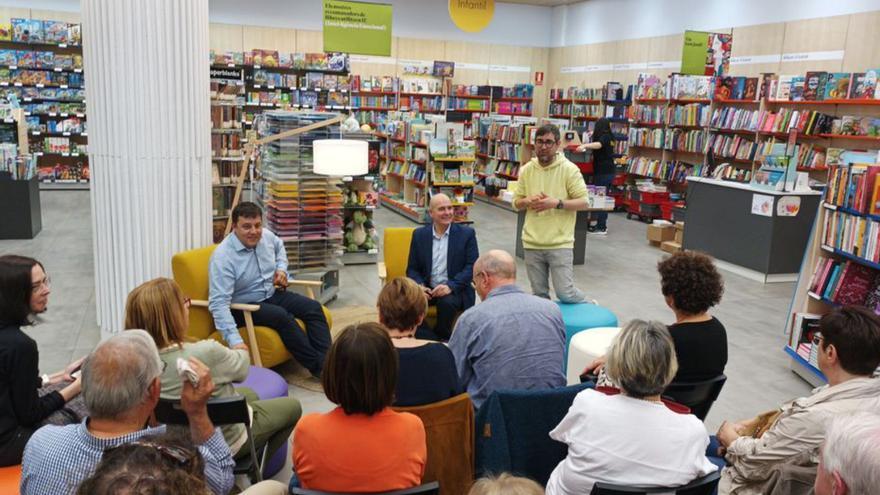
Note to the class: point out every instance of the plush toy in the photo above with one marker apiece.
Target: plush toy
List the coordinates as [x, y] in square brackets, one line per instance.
[359, 233]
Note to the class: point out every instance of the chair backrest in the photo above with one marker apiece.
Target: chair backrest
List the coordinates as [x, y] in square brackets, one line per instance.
[449, 433]
[701, 486]
[699, 396]
[221, 410]
[190, 269]
[395, 248]
[432, 488]
[512, 431]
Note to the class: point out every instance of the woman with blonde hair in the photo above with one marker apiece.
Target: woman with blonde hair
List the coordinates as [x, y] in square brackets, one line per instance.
[506, 484]
[427, 368]
[631, 438]
[159, 307]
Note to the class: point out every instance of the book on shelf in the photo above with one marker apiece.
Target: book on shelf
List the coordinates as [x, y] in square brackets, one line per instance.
[797, 88]
[805, 326]
[837, 85]
[863, 85]
[814, 85]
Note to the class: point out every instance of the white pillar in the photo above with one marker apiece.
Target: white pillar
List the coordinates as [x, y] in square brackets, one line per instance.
[147, 91]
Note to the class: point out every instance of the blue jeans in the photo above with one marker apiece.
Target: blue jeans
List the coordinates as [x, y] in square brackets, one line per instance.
[602, 180]
[712, 452]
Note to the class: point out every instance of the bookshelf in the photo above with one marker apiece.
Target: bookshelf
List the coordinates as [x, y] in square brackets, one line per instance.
[403, 193]
[454, 177]
[42, 68]
[514, 101]
[227, 138]
[359, 200]
[302, 208]
[373, 97]
[502, 149]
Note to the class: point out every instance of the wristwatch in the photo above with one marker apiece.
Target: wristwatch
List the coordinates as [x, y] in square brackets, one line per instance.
[44, 380]
[559, 205]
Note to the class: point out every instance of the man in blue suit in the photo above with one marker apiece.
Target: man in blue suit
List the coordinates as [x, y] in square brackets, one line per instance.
[441, 259]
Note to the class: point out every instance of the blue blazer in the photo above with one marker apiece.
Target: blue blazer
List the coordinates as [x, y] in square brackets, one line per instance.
[460, 259]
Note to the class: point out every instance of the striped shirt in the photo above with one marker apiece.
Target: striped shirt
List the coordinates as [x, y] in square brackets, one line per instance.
[58, 458]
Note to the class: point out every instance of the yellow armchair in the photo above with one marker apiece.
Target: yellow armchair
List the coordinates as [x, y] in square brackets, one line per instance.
[190, 270]
[395, 255]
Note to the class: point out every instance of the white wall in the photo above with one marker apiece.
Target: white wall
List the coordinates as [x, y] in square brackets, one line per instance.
[596, 21]
[512, 24]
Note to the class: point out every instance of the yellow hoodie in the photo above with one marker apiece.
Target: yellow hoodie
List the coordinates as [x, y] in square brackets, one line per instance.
[550, 229]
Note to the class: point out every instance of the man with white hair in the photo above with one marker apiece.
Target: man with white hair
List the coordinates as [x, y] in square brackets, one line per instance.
[850, 459]
[121, 385]
[511, 340]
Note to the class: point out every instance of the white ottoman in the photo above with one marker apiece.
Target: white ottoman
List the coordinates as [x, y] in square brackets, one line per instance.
[585, 347]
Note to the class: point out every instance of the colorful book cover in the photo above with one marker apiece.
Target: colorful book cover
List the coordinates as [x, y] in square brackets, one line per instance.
[74, 34]
[285, 60]
[875, 199]
[797, 88]
[314, 80]
[55, 32]
[337, 61]
[862, 86]
[783, 88]
[5, 31]
[8, 57]
[751, 91]
[330, 82]
[812, 86]
[856, 284]
[872, 300]
[837, 86]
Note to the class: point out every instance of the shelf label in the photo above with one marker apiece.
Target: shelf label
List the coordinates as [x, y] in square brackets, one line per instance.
[631, 66]
[40, 85]
[755, 59]
[665, 64]
[813, 56]
[57, 69]
[372, 59]
[573, 69]
[17, 85]
[509, 68]
[13, 67]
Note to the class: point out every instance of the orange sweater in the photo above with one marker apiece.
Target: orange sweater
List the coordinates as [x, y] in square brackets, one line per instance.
[358, 453]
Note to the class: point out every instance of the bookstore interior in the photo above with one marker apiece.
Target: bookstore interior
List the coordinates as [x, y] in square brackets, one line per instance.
[130, 133]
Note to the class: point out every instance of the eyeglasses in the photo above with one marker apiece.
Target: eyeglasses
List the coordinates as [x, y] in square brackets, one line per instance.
[544, 142]
[181, 456]
[817, 339]
[42, 283]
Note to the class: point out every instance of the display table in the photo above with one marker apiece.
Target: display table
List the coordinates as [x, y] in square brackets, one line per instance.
[580, 233]
[755, 233]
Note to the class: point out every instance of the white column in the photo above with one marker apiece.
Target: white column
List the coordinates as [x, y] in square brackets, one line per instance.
[147, 91]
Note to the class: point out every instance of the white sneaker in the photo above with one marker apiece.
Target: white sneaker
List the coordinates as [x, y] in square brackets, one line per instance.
[598, 232]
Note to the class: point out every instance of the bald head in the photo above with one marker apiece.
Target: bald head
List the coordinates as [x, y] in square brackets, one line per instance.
[441, 211]
[498, 263]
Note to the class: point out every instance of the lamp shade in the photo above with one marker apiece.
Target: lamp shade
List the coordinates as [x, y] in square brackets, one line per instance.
[340, 157]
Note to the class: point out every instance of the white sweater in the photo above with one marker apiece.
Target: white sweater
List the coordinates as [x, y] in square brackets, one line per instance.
[621, 440]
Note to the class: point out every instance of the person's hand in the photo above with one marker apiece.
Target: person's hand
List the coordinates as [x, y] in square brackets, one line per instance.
[428, 292]
[280, 279]
[193, 398]
[595, 367]
[728, 433]
[74, 366]
[529, 200]
[545, 203]
[441, 291]
[72, 390]
[240, 346]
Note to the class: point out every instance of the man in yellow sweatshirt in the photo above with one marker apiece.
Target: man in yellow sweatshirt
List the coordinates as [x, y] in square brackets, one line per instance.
[551, 190]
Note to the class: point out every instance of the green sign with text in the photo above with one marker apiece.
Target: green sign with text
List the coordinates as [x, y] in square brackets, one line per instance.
[693, 54]
[357, 27]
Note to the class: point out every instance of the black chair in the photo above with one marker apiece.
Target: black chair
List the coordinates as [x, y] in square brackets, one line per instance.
[699, 396]
[700, 486]
[432, 488]
[222, 411]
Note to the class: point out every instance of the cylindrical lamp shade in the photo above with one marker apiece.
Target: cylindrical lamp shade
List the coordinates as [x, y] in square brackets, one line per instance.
[340, 157]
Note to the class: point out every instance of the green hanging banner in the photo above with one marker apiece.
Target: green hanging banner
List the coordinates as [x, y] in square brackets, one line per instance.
[357, 27]
[706, 54]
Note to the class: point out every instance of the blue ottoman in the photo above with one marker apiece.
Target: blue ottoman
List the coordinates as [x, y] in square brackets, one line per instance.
[583, 316]
[268, 385]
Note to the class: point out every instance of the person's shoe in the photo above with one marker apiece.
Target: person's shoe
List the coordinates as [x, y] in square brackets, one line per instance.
[598, 231]
[591, 229]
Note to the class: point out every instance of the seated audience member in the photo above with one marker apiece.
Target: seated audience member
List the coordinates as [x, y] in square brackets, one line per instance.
[121, 385]
[506, 484]
[631, 438]
[159, 307]
[361, 446]
[850, 460]
[848, 353]
[511, 340]
[24, 292]
[162, 464]
[441, 260]
[246, 267]
[692, 285]
[427, 368]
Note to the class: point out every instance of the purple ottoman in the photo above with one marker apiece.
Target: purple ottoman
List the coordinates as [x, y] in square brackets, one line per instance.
[268, 385]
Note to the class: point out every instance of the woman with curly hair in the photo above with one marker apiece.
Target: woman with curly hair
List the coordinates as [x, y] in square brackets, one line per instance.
[691, 285]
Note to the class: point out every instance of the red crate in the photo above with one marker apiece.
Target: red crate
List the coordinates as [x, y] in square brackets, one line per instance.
[667, 207]
[654, 197]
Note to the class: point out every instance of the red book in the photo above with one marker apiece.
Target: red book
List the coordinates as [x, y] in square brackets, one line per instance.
[854, 285]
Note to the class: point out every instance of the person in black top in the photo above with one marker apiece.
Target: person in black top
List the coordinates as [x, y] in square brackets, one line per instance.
[692, 285]
[24, 291]
[427, 368]
[603, 166]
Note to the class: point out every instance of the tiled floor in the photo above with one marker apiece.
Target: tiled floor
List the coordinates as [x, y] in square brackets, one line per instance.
[620, 272]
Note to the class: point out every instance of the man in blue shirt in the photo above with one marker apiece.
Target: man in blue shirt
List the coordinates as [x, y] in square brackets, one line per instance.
[511, 340]
[441, 259]
[121, 386]
[246, 268]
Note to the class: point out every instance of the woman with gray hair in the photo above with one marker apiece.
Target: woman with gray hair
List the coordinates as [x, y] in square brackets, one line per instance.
[631, 438]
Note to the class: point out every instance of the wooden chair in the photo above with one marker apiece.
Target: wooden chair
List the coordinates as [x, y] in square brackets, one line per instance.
[190, 270]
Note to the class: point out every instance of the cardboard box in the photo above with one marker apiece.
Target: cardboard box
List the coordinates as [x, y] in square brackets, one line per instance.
[670, 246]
[660, 233]
[679, 232]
